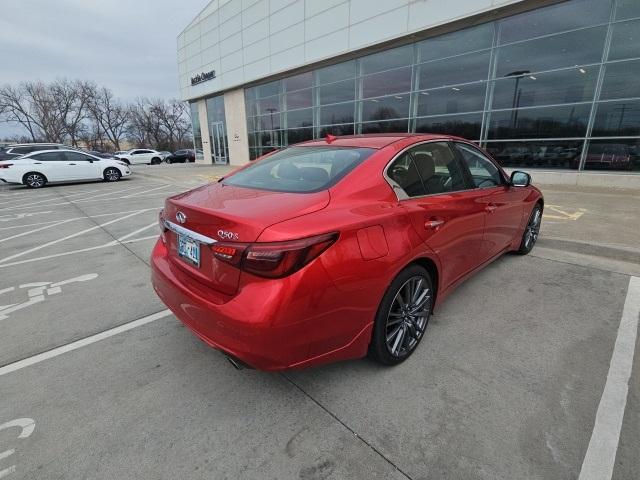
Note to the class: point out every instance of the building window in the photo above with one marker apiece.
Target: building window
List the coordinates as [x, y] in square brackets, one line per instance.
[534, 88]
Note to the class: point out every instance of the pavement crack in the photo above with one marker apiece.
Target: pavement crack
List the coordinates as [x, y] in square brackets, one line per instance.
[341, 422]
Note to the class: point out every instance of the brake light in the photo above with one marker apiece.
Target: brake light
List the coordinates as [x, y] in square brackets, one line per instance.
[5, 165]
[274, 260]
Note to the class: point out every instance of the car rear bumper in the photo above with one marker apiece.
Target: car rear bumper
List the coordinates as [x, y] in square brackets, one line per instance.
[263, 325]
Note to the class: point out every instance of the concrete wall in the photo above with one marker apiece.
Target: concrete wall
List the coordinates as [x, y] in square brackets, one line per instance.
[245, 40]
[236, 118]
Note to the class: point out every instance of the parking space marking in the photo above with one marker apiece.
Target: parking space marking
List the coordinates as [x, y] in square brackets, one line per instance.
[20, 216]
[146, 191]
[561, 213]
[601, 453]
[129, 235]
[41, 357]
[73, 235]
[79, 218]
[17, 235]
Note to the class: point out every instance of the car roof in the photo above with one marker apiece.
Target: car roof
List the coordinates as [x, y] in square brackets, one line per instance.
[373, 140]
[31, 144]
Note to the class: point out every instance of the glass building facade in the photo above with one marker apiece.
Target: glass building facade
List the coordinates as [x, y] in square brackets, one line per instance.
[555, 87]
[217, 129]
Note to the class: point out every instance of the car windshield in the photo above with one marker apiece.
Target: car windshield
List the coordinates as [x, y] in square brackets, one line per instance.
[300, 169]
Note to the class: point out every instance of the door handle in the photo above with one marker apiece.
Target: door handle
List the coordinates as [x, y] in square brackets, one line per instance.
[490, 208]
[433, 224]
[37, 163]
[71, 164]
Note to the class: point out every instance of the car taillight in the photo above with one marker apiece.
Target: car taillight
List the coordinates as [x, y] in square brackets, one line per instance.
[274, 260]
[6, 165]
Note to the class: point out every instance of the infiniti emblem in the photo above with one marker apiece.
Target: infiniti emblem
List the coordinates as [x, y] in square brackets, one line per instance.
[181, 217]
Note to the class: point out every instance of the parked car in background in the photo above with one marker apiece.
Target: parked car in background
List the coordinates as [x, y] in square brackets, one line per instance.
[181, 156]
[19, 149]
[164, 154]
[102, 154]
[36, 169]
[331, 250]
[140, 155]
[608, 156]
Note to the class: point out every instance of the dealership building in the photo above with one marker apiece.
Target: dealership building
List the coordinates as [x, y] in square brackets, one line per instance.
[538, 83]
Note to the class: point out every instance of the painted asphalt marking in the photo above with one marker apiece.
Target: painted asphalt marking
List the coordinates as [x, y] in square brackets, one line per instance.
[20, 216]
[36, 293]
[73, 235]
[27, 426]
[129, 235]
[145, 191]
[601, 454]
[34, 231]
[41, 357]
[79, 218]
[561, 213]
[113, 243]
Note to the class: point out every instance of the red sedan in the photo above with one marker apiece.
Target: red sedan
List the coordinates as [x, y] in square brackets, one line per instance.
[332, 249]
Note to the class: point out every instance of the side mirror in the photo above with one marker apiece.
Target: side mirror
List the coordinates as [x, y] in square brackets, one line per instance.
[520, 179]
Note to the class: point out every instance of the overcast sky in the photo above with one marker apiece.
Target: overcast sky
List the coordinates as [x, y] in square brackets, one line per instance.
[127, 46]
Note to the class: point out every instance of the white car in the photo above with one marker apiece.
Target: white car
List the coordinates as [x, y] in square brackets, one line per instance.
[141, 155]
[37, 169]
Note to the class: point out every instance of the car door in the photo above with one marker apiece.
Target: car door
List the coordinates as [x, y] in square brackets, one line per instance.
[445, 212]
[503, 204]
[52, 165]
[81, 167]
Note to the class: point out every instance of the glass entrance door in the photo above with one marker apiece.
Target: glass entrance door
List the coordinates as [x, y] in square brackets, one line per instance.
[219, 143]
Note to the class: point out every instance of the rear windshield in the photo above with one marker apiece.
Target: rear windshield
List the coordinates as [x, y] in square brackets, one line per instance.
[300, 169]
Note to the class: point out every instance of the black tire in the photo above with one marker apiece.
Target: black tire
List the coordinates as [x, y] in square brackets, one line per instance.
[397, 332]
[34, 180]
[126, 161]
[531, 231]
[156, 161]
[168, 160]
[111, 174]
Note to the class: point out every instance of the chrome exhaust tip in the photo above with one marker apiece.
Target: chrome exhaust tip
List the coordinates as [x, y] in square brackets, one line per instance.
[236, 364]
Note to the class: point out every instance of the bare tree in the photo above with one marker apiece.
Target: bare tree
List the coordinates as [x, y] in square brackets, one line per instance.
[110, 115]
[17, 105]
[70, 101]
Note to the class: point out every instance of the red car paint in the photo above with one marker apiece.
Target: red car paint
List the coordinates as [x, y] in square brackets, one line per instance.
[324, 311]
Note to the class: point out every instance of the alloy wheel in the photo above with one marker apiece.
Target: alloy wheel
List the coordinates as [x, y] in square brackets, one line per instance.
[112, 175]
[35, 180]
[533, 229]
[408, 316]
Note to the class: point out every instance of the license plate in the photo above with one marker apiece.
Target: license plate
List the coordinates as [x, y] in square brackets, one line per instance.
[189, 250]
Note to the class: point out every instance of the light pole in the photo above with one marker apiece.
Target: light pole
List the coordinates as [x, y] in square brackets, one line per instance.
[518, 74]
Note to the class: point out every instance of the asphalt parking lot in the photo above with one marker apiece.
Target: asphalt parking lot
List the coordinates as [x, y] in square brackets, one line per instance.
[98, 380]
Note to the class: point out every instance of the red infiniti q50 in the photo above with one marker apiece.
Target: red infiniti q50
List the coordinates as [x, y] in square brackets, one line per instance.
[334, 249]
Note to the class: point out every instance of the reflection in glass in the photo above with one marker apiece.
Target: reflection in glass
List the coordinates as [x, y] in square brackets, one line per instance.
[299, 99]
[617, 119]
[268, 105]
[613, 155]
[334, 73]
[467, 40]
[299, 135]
[466, 125]
[531, 154]
[298, 82]
[385, 127]
[384, 108]
[581, 47]
[552, 88]
[197, 134]
[627, 9]
[337, 130]
[621, 80]
[463, 98]
[300, 118]
[394, 58]
[337, 92]
[270, 121]
[453, 71]
[545, 122]
[267, 89]
[625, 40]
[338, 113]
[393, 81]
[556, 18]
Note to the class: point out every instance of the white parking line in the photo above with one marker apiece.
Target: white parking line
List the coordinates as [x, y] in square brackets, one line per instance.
[73, 235]
[129, 235]
[34, 231]
[146, 191]
[41, 357]
[601, 454]
[78, 218]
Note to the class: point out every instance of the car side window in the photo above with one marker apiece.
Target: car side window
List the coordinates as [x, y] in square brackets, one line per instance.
[49, 157]
[405, 174]
[76, 157]
[438, 167]
[21, 150]
[483, 171]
